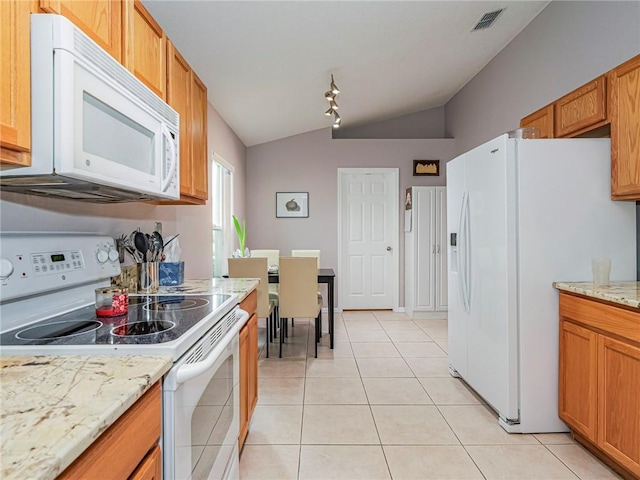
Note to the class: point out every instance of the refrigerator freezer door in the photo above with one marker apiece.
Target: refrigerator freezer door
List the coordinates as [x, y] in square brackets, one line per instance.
[457, 324]
[492, 276]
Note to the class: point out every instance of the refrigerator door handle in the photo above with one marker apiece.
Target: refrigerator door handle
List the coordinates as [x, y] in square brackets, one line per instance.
[462, 253]
[467, 253]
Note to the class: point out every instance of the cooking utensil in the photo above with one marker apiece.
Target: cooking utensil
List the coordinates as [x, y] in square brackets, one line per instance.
[158, 245]
[142, 244]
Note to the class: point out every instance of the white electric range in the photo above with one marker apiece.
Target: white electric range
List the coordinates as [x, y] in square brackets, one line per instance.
[47, 307]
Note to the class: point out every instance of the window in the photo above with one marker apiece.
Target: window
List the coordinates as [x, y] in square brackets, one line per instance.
[222, 206]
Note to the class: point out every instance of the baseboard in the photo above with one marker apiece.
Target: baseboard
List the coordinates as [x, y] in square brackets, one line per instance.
[429, 315]
[399, 310]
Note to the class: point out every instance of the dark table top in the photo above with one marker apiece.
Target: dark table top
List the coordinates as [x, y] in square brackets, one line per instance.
[323, 273]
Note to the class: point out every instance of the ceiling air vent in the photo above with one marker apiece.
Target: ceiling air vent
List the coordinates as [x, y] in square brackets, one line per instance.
[487, 20]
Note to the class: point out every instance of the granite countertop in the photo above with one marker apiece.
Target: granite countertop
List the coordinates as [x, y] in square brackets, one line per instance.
[241, 286]
[54, 407]
[624, 293]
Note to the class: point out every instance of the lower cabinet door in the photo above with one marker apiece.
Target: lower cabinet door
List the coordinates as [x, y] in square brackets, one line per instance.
[577, 392]
[150, 468]
[244, 385]
[619, 401]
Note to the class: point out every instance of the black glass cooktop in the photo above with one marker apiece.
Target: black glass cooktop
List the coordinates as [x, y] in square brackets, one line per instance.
[150, 320]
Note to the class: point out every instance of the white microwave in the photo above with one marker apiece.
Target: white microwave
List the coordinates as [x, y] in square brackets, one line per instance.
[97, 133]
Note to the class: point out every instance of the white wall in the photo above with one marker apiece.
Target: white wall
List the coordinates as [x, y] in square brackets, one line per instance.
[565, 46]
[309, 163]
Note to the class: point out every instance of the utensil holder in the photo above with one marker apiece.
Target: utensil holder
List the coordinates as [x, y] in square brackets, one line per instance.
[148, 277]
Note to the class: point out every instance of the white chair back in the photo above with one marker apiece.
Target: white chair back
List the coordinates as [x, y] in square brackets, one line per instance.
[272, 256]
[253, 268]
[307, 253]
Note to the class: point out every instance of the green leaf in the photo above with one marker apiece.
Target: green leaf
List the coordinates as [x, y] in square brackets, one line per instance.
[241, 232]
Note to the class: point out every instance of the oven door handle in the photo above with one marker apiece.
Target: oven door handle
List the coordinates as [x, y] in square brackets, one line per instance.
[191, 370]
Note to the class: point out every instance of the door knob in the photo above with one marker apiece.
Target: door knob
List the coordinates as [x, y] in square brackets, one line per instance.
[388, 249]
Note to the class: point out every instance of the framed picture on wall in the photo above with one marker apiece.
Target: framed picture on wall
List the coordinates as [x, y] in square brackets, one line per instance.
[292, 204]
[426, 167]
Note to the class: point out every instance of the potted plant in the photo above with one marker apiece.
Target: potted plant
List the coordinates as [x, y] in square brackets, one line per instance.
[241, 231]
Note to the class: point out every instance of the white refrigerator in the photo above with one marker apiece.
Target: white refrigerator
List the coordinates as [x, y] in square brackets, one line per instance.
[522, 214]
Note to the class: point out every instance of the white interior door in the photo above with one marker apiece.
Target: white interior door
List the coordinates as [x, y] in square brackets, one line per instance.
[441, 249]
[424, 203]
[368, 237]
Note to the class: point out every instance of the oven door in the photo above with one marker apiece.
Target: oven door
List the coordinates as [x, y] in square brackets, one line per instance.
[201, 408]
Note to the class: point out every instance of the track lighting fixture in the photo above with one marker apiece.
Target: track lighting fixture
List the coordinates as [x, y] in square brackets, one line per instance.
[334, 88]
[337, 120]
[330, 96]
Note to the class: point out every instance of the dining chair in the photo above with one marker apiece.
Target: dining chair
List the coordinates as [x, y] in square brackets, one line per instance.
[307, 253]
[299, 295]
[273, 258]
[256, 268]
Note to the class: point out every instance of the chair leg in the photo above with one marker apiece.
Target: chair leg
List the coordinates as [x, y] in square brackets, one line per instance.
[315, 344]
[281, 340]
[267, 334]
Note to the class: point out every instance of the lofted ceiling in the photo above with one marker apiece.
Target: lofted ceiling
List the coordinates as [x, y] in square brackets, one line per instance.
[267, 64]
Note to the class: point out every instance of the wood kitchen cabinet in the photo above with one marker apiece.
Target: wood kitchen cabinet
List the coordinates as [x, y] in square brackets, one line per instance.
[578, 378]
[583, 109]
[608, 106]
[128, 448]
[102, 20]
[248, 366]
[599, 379]
[188, 96]
[15, 83]
[145, 46]
[542, 120]
[624, 111]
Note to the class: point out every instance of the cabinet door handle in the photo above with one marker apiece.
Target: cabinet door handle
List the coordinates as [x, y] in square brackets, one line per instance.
[433, 250]
[438, 248]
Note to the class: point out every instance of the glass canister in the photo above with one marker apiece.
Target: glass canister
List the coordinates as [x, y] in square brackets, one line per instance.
[111, 301]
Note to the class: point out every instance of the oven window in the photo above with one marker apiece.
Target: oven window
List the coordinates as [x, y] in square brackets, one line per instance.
[211, 423]
[108, 134]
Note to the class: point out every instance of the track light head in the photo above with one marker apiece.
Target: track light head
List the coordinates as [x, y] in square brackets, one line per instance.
[329, 112]
[334, 88]
[329, 96]
[333, 105]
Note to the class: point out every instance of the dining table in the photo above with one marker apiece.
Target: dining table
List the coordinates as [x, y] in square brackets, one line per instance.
[325, 275]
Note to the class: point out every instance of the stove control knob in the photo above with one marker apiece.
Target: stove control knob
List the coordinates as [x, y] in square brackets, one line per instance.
[6, 268]
[113, 255]
[102, 256]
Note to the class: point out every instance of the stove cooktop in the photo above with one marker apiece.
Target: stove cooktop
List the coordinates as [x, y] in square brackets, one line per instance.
[151, 320]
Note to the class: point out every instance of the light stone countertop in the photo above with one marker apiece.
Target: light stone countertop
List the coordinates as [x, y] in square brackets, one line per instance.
[54, 407]
[207, 286]
[624, 293]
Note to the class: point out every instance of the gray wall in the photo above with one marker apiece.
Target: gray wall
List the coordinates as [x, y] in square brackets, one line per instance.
[565, 46]
[423, 124]
[30, 214]
[309, 163]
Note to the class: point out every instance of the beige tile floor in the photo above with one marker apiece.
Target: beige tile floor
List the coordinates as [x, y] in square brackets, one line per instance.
[382, 405]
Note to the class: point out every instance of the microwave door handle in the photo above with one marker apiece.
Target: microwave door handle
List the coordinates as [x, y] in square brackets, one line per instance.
[191, 370]
[173, 154]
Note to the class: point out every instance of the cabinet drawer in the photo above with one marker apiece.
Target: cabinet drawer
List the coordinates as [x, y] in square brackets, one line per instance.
[250, 304]
[119, 450]
[603, 317]
[582, 108]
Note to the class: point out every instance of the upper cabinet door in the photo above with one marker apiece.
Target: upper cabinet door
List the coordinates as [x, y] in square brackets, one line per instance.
[624, 100]
[542, 120]
[581, 109]
[145, 48]
[100, 19]
[15, 83]
[179, 97]
[200, 177]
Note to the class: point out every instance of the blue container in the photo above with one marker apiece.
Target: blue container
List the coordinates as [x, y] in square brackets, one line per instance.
[171, 273]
